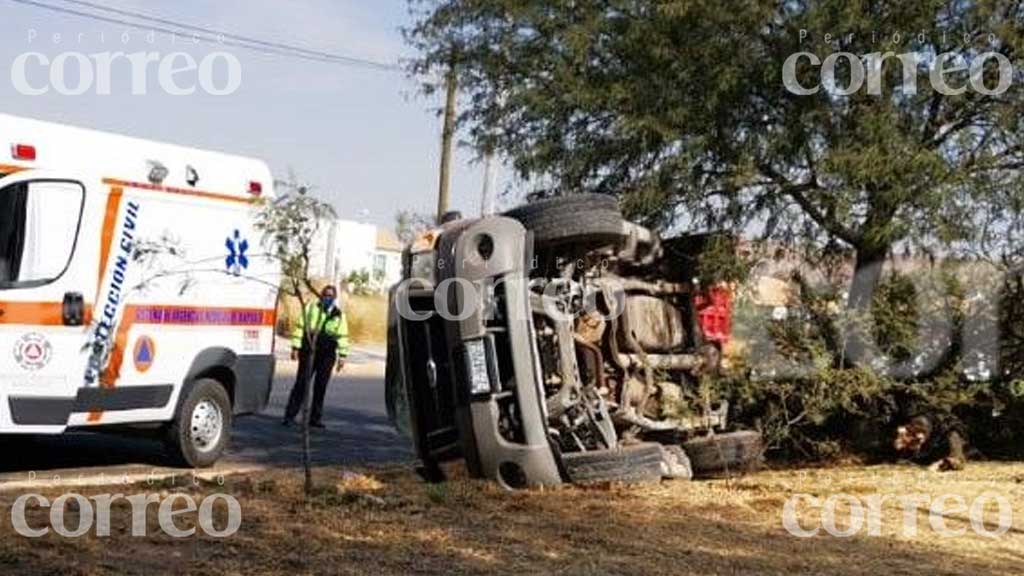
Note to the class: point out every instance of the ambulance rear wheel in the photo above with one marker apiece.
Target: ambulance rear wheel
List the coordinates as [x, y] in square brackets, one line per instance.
[201, 430]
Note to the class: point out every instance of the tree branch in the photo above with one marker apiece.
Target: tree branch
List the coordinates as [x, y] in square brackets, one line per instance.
[798, 192]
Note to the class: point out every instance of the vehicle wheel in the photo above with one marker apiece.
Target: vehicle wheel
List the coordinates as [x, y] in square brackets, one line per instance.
[592, 219]
[725, 453]
[201, 430]
[639, 463]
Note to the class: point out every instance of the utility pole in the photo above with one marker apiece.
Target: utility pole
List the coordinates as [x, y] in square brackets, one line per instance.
[490, 178]
[447, 136]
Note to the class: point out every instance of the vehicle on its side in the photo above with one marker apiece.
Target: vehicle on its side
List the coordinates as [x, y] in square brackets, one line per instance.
[557, 343]
[127, 292]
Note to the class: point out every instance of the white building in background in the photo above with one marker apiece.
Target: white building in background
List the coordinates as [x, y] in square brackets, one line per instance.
[387, 258]
[344, 247]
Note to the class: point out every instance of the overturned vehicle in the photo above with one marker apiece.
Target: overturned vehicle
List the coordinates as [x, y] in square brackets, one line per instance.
[560, 343]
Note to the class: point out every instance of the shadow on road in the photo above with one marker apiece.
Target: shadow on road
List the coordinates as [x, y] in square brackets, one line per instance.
[351, 437]
[358, 433]
[77, 450]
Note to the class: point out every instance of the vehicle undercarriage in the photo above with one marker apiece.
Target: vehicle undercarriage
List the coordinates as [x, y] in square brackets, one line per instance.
[623, 360]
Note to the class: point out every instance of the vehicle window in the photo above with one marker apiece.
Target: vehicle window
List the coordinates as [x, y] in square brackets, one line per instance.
[39, 222]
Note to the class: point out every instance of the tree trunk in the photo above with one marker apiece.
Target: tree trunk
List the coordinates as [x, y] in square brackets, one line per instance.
[306, 378]
[307, 408]
[867, 276]
[447, 138]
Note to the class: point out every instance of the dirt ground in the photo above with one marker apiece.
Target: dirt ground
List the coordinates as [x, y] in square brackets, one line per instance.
[388, 522]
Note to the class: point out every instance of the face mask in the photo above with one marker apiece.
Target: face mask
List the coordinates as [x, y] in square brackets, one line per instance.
[328, 302]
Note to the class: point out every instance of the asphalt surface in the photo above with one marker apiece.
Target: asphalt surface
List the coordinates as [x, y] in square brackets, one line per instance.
[358, 433]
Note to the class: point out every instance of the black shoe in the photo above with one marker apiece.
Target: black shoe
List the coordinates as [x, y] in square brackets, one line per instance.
[317, 425]
[287, 422]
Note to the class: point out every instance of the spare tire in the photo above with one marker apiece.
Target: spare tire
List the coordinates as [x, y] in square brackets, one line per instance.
[590, 219]
[639, 463]
[737, 452]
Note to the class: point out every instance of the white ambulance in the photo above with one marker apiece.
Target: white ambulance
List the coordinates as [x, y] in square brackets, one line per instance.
[132, 291]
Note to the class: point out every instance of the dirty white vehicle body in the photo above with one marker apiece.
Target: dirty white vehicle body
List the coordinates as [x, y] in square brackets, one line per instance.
[556, 343]
[96, 335]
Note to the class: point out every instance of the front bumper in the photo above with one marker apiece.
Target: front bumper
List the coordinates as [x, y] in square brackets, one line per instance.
[504, 431]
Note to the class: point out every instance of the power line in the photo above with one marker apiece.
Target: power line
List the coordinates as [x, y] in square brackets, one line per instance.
[219, 34]
[120, 22]
[209, 35]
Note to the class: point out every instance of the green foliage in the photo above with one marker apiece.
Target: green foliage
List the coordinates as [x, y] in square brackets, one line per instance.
[1016, 389]
[1012, 331]
[678, 107]
[290, 224]
[800, 417]
[409, 225]
[359, 282]
[721, 262]
[439, 494]
[896, 317]
[810, 404]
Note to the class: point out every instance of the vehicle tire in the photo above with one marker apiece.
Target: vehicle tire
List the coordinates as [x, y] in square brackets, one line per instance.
[737, 452]
[639, 463]
[590, 219]
[201, 429]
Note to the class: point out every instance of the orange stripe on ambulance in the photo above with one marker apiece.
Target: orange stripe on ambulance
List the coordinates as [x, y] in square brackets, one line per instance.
[107, 327]
[113, 298]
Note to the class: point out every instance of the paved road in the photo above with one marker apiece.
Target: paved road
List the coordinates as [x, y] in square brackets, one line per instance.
[354, 412]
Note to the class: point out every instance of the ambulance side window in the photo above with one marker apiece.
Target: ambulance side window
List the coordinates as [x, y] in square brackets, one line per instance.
[39, 224]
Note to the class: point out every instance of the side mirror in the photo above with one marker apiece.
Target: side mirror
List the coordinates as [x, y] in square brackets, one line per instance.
[73, 311]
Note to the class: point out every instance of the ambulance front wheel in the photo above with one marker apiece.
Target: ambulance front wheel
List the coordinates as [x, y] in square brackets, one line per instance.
[201, 430]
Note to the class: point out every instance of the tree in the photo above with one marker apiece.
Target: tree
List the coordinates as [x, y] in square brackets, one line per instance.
[408, 225]
[359, 281]
[679, 107]
[291, 223]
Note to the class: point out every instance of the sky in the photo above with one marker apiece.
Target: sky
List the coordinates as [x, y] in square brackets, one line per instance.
[364, 139]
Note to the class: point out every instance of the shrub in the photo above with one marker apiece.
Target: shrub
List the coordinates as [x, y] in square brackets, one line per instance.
[359, 282]
[811, 402]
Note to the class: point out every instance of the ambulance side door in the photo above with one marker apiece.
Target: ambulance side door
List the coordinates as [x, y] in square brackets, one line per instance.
[48, 273]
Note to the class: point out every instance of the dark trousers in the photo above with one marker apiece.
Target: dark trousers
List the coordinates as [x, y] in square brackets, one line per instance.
[318, 368]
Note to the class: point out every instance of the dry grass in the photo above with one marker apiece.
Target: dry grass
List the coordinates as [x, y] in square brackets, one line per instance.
[367, 318]
[388, 522]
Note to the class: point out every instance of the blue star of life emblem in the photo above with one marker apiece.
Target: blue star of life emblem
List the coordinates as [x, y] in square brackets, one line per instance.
[237, 260]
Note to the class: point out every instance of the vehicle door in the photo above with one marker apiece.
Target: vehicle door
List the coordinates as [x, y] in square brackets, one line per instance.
[47, 274]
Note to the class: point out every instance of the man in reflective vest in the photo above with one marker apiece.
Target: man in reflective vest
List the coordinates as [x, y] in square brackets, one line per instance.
[316, 362]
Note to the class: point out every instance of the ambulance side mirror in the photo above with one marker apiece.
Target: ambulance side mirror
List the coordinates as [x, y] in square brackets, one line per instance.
[74, 309]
